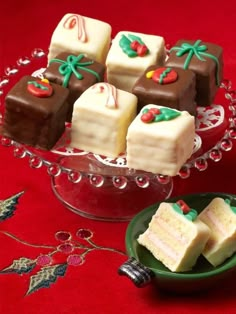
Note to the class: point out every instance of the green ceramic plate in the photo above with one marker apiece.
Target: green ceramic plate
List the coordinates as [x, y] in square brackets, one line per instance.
[202, 275]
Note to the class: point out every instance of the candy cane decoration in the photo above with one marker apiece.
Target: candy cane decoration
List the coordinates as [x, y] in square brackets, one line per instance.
[110, 91]
[76, 20]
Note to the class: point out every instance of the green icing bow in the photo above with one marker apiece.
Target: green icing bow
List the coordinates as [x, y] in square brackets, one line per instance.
[196, 50]
[71, 66]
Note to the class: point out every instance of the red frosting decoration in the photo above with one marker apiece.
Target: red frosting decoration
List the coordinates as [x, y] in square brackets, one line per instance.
[161, 75]
[40, 88]
[142, 50]
[184, 207]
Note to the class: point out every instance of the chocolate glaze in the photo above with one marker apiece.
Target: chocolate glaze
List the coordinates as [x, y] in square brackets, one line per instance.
[205, 71]
[75, 86]
[179, 95]
[32, 120]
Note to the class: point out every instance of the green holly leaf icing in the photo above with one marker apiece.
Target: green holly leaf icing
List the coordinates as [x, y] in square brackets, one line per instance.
[8, 206]
[46, 276]
[134, 37]
[233, 208]
[166, 114]
[125, 46]
[20, 266]
[191, 215]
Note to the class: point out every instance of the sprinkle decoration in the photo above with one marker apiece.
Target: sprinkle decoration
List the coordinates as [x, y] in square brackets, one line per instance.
[199, 51]
[110, 91]
[154, 114]
[77, 20]
[71, 66]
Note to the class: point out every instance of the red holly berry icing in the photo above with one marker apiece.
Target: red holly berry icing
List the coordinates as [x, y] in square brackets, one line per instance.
[133, 46]
[40, 88]
[142, 50]
[184, 207]
[163, 75]
[154, 114]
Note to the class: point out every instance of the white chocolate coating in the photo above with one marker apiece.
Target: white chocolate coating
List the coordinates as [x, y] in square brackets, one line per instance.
[173, 239]
[222, 221]
[80, 34]
[122, 70]
[160, 147]
[101, 118]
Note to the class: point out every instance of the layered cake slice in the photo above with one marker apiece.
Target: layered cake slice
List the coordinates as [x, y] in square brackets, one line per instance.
[129, 56]
[75, 72]
[80, 34]
[220, 216]
[175, 236]
[160, 140]
[166, 86]
[205, 60]
[35, 112]
[100, 119]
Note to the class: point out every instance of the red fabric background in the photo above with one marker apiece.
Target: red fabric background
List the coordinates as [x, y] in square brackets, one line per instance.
[95, 287]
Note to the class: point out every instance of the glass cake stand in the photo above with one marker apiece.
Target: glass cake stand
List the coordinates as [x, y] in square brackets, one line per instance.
[102, 188]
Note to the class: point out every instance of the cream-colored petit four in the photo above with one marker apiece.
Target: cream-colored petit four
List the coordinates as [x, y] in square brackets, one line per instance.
[220, 217]
[129, 56]
[160, 140]
[100, 119]
[79, 34]
[175, 236]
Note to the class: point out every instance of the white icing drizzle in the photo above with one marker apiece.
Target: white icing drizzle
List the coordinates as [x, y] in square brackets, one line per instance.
[111, 92]
[79, 21]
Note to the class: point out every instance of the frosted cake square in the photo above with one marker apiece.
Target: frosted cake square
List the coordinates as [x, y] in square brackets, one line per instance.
[129, 56]
[167, 86]
[75, 72]
[160, 140]
[175, 236]
[100, 119]
[205, 60]
[220, 216]
[35, 112]
[80, 34]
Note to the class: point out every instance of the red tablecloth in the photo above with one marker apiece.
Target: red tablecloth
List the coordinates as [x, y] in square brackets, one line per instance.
[30, 237]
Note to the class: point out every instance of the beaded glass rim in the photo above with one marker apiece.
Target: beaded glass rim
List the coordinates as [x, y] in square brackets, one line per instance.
[97, 179]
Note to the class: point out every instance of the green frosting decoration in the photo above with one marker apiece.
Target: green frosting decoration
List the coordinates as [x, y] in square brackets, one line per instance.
[165, 114]
[125, 42]
[191, 215]
[72, 65]
[164, 74]
[38, 85]
[227, 201]
[199, 51]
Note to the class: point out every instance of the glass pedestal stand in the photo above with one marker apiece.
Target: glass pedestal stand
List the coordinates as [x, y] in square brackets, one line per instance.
[100, 188]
